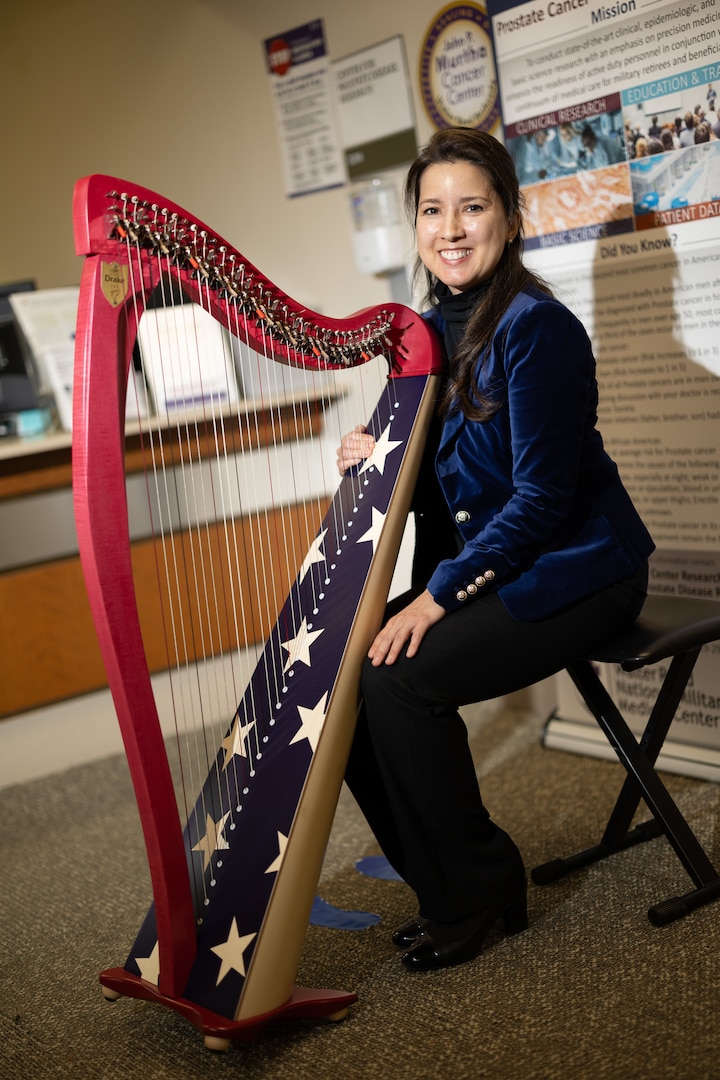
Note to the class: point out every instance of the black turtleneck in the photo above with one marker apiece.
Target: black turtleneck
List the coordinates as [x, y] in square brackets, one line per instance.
[456, 309]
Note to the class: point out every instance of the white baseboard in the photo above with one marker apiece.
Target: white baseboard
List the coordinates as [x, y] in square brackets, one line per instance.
[49, 740]
[680, 758]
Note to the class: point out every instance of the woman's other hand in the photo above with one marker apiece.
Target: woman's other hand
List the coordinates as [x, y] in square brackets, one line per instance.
[409, 626]
[354, 448]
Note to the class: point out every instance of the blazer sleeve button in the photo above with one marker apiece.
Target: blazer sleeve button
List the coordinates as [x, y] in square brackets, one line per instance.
[489, 575]
[480, 581]
[471, 589]
[461, 594]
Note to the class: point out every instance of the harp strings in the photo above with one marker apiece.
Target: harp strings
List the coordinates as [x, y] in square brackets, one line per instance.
[269, 469]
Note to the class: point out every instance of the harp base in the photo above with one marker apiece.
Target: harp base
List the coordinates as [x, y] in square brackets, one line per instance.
[218, 1031]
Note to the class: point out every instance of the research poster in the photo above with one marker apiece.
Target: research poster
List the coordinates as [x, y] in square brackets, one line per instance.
[298, 70]
[610, 112]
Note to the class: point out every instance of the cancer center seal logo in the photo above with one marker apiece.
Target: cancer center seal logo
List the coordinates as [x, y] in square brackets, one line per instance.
[458, 81]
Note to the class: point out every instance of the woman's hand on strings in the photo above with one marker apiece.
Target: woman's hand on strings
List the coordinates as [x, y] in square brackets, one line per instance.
[409, 626]
[354, 448]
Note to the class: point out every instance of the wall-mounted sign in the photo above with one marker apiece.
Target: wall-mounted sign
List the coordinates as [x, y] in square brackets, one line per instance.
[375, 113]
[299, 73]
[458, 82]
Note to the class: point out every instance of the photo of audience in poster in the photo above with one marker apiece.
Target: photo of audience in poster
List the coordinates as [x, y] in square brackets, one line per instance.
[674, 152]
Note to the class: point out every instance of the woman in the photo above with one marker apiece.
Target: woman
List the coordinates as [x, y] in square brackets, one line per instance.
[529, 550]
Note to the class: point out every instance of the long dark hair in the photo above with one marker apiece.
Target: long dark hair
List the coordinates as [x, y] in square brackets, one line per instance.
[449, 146]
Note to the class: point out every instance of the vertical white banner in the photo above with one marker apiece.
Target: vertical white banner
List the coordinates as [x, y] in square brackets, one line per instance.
[610, 116]
[299, 74]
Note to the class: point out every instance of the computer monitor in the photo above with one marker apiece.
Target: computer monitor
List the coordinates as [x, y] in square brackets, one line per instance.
[6, 291]
[16, 389]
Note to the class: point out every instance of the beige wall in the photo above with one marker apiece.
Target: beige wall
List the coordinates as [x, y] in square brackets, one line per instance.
[173, 95]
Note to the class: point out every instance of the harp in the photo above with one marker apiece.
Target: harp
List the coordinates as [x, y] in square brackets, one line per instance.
[232, 888]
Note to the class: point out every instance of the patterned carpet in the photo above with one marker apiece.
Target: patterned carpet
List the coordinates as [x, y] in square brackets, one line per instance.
[591, 991]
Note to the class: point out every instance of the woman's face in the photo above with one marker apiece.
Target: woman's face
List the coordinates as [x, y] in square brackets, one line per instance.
[461, 228]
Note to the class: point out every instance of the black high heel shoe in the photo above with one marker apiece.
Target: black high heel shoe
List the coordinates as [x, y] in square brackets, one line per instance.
[428, 953]
[407, 934]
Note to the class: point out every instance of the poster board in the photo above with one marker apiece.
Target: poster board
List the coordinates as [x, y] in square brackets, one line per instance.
[623, 219]
[374, 108]
[298, 71]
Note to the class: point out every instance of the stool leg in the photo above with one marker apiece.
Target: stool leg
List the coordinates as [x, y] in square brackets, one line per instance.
[642, 781]
[651, 743]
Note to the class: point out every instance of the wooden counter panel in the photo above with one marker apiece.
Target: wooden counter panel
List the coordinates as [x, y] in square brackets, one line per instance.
[46, 465]
[47, 638]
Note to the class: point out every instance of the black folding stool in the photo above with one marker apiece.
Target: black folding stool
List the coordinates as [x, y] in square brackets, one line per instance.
[668, 626]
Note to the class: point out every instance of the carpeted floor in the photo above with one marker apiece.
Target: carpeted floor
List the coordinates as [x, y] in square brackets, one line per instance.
[591, 991]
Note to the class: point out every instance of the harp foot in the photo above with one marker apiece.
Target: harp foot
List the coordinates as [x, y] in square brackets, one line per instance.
[212, 1042]
[219, 1031]
[336, 1017]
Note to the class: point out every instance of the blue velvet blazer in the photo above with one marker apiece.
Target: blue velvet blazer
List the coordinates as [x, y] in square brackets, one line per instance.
[544, 517]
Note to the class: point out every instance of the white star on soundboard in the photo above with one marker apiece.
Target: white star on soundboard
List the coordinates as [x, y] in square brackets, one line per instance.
[234, 743]
[275, 865]
[314, 555]
[231, 952]
[298, 648]
[383, 447]
[150, 965]
[312, 723]
[212, 841]
[373, 534]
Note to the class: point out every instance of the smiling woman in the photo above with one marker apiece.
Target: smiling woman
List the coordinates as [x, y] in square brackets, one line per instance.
[462, 227]
[529, 551]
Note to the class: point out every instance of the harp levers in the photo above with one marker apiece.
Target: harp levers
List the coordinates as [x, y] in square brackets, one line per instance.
[233, 887]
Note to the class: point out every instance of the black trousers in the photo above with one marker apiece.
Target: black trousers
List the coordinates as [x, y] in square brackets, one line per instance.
[410, 768]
